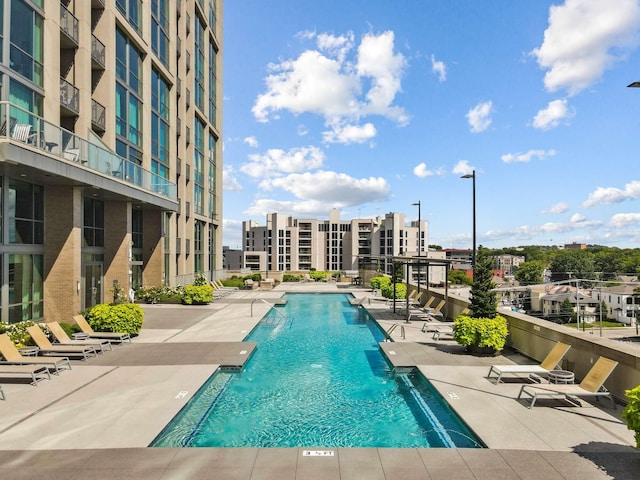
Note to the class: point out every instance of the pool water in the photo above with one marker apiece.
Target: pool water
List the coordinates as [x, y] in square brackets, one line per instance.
[316, 379]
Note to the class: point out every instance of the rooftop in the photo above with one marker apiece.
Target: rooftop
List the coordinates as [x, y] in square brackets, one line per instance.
[98, 418]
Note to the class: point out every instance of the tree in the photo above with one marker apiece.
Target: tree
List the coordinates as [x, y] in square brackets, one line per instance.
[530, 273]
[566, 312]
[568, 264]
[484, 300]
[609, 262]
[458, 277]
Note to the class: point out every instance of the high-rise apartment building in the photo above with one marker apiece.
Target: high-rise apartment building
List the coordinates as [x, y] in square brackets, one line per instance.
[110, 150]
[287, 244]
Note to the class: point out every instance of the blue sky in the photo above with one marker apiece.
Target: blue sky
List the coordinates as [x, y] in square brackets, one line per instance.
[370, 106]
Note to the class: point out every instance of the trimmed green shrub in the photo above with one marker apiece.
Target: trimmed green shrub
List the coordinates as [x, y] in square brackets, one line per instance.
[288, 277]
[197, 294]
[631, 412]
[401, 290]
[378, 282]
[162, 294]
[481, 332]
[122, 318]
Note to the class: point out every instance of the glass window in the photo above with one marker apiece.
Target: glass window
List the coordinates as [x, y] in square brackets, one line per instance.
[128, 91]
[26, 213]
[26, 41]
[131, 10]
[212, 84]
[159, 29]
[25, 287]
[93, 224]
[199, 75]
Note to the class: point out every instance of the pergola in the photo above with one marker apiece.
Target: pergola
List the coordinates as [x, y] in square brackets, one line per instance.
[413, 262]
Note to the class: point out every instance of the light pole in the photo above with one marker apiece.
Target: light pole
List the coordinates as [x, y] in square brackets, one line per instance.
[473, 255]
[419, 240]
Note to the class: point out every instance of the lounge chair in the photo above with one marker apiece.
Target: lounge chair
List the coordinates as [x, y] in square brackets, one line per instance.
[2, 393]
[591, 386]
[12, 356]
[63, 339]
[113, 336]
[48, 348]
[37, 372]
[551, 361]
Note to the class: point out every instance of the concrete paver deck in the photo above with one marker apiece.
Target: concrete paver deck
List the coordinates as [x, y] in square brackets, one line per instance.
[97, 419]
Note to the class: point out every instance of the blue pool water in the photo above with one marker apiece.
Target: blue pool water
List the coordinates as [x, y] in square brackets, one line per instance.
[316, 379]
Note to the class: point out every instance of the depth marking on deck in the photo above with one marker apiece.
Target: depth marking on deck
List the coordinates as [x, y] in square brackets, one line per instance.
[392, 352]
[243, 352]
[182, 394]
[317, 453]
[453, 396]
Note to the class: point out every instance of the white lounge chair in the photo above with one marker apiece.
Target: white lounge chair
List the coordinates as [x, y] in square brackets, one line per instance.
[591, 386]
[12, 356]
[551, 361]
[36, 372]
[63, 339]
[113, 336]
[48, 348]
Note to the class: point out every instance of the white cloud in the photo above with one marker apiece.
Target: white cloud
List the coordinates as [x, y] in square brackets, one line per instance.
[613, 195]
[229, 181]
[331, 188]
[463, 168]
[527, 156]
[550, 117]
[422, 171]
[439, 67]
[479, 117]
[302, 130]
[620, 220]
[350, 134]
[251, 141]
[577, 218]
[326, 82]
[336, 46]
[583, 39]
[232, 233]
[557, 208]
[276, 161]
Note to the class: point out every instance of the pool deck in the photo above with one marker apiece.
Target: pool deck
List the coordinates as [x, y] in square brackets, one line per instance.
[97, 419]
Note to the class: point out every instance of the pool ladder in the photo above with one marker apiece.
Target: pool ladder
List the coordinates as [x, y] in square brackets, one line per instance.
[387, 334]
[274, 321]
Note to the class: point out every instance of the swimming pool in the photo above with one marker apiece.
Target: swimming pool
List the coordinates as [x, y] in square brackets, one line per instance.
[316, 379]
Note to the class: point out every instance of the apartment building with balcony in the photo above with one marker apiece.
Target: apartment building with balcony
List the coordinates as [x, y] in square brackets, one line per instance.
[287, 244]
[110, 151]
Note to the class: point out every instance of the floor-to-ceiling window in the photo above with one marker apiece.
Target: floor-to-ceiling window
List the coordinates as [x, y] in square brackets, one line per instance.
[26, 49]
[159, 125]
[128, 105]
[25, 259]
[159, 30]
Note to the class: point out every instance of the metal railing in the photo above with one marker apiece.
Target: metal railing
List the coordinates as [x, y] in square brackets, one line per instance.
[98, 115]
[97, 51]
[69, 96]
[68, 23]
[59, 142]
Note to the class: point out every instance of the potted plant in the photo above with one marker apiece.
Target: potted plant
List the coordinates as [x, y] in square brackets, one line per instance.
[484, 332]
[631, 413]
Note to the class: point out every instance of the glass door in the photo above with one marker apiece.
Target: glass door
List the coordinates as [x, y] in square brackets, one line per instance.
[92, 284]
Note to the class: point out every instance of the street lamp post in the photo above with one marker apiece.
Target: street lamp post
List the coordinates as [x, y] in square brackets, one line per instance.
[419, 240]
[473, 255]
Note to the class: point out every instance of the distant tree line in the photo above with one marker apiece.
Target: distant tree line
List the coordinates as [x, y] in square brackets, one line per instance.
[596, 262]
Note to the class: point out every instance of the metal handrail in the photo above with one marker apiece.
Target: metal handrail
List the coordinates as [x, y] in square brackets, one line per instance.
[388, 333]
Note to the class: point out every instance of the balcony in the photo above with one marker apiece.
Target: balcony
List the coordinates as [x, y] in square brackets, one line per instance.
[97, 54]
[97, 4]
[52, 140]
[98, 117]
[68, 28]
[69, 99]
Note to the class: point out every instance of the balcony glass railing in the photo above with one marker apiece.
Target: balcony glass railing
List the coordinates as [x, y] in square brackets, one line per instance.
[19, 125]
[69, 24]
[69, 96]
[98, 115]
[97, 51]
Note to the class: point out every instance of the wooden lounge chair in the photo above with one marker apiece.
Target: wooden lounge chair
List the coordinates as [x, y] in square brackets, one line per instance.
[113, 336]
[48, 348]
[591, 386]
[12, 356]
[63, 339]
[550, 362]
[37, 372]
